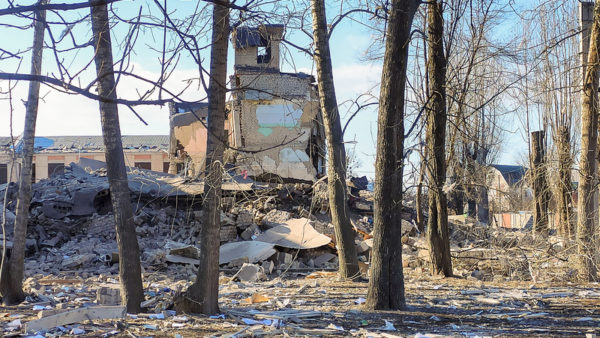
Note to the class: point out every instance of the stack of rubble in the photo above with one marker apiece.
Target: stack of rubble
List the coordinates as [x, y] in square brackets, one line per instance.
[279, 228]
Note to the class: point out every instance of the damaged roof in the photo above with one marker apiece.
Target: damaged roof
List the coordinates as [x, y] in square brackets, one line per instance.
[95, 143]
[200, 108]
[252, 37]
[5, 143]
[513, 174]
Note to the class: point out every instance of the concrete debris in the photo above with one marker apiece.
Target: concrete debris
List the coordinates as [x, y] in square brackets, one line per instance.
[108, 295]
[75, 316]
[250, 233]
[10, 216]
[78, 261]
[322, 259]
[254, 251]
[276, 217]
[295, 234]
[250, 273]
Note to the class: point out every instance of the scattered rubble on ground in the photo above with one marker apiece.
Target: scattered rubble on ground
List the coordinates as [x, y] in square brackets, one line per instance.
[278, 263]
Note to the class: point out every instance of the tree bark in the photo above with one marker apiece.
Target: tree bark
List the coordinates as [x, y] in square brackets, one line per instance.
[336, 168]
[386, 284]
[203, 295]
[541, 192]
[565, 185]
[11, 279]
[437, 223]
[588, 178]
[130, 274]
[419, 193]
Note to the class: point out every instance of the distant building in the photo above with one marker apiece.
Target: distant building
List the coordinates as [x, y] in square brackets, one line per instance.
[508, 190]
[53, 153]
[273, 118]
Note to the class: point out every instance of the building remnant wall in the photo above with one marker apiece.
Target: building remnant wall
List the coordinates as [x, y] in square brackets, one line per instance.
[275, 116]
[188, 137]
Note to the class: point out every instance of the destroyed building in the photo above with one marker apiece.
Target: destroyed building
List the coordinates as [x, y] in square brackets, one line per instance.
[53, 153]
[273, 121]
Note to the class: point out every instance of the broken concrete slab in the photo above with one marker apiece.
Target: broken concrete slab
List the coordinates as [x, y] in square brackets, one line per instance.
[181, 260]
[276, 217]
[295, 234]
[250, 232]
[10, 216]
[250, 273]
[108, 295]
[186, 251]
[75, 316]
[78, 260]
[324, 258]
[256, 251]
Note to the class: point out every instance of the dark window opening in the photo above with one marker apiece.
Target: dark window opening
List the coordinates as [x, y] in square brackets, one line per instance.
[55, 169]
[3, 173]
[166, 167]
[143, 165]
[32, 173]
[264, 54]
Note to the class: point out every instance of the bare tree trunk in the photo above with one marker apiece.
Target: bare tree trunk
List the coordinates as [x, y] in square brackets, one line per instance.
[11, 278]
[437, 223]
[588, 178]
[565, 185]
[203, 295]
[541, 192]
[336, 168]
[386, 284]
[419, 194]
[483, 205]
[129, 263]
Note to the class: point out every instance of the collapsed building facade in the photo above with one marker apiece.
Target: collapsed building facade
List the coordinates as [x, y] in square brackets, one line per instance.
[273, 123]
[53, 153]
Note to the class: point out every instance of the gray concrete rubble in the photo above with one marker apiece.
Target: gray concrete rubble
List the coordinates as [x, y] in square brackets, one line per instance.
[277, 256]
[277, 227]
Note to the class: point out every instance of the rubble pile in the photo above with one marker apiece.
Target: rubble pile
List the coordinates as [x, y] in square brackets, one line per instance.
[279, 228]
[277, 259]
[497, 254]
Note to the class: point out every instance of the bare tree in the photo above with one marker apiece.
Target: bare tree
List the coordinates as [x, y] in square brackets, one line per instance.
[336, 171]
[588, 171]
[203, 295]
[437, 223]
[540, 183]
[129, 253]
[11, 276]
[386, 285]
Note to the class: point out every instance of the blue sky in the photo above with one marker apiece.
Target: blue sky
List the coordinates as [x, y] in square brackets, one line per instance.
[63, 114]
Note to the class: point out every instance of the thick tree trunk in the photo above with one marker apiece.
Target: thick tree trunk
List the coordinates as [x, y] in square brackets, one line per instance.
[541, 192]
[588, 178]
[565, 186]
[203, 295]
[11, 279]
[437, 223]
[130, 273]
[336, 168]
[386, 285]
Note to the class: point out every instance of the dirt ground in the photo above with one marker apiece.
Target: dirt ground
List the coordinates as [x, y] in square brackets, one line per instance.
[317, 304]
